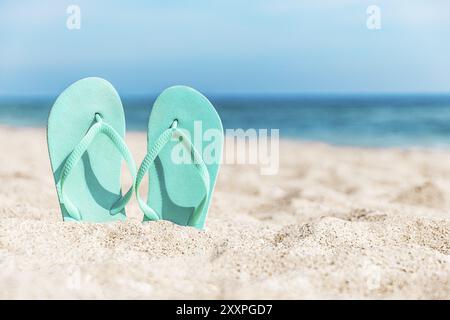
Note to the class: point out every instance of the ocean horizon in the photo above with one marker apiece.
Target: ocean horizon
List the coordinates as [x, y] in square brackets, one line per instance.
[361, 120]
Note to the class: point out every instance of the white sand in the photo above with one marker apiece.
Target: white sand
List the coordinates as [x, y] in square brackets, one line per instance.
[335, 223]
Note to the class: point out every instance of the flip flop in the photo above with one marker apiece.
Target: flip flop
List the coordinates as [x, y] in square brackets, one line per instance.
[182, 174]
[85, 136]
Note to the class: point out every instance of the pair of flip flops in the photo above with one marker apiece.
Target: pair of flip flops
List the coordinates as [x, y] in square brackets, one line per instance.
[85, 135]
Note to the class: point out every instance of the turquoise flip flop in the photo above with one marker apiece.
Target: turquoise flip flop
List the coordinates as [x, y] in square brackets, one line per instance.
[182, 173]
[85, 136]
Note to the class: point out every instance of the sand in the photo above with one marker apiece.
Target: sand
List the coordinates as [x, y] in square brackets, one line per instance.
[334, 223]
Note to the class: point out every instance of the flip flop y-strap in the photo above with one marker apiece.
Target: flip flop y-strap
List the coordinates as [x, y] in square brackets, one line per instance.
[198, 162]
[98, 127]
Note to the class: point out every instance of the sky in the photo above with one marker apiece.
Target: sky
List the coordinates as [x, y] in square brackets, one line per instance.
[227, 47]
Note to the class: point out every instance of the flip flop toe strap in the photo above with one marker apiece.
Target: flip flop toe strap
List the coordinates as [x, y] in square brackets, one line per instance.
[198, 162]
[99, 127]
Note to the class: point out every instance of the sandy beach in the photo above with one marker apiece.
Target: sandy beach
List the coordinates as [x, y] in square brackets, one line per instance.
[334, 223]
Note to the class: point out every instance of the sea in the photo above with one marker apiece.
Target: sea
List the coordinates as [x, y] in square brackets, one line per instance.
[374, 121]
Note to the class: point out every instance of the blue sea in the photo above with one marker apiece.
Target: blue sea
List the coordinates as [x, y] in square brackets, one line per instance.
[350, 120]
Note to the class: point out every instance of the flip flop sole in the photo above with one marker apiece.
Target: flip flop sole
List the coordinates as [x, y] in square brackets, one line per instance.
[94, 184]
[175, 188]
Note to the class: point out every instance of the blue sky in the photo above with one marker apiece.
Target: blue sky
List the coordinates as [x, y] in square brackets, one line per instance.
[227, 47]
